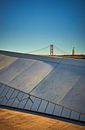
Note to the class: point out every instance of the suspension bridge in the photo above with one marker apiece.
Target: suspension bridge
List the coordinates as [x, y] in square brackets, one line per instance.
[53, 50]
[49, 50]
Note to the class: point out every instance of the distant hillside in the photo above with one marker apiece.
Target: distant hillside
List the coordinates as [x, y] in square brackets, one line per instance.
[70, 56]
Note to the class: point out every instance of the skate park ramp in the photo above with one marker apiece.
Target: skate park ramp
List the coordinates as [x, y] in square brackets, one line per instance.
[43, 84]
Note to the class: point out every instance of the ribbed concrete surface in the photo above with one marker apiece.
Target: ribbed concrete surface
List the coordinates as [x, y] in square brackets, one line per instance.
[44, 84]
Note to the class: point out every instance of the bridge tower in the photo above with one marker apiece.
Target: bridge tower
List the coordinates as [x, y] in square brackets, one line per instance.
[51, 49]
[73, 51]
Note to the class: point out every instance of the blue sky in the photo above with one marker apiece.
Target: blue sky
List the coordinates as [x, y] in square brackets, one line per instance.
[27, 25]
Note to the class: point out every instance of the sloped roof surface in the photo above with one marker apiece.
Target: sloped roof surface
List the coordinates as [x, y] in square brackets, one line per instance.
[44, 84]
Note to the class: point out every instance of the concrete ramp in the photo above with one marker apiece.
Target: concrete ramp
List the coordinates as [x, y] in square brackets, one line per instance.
[44, 84]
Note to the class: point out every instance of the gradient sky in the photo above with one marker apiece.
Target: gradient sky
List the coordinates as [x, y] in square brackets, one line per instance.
[27, 25]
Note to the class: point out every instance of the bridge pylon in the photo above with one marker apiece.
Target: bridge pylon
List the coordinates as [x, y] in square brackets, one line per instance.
[51, 49]
[73, 51]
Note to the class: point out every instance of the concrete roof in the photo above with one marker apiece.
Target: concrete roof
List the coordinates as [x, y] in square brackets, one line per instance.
[44, 84]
